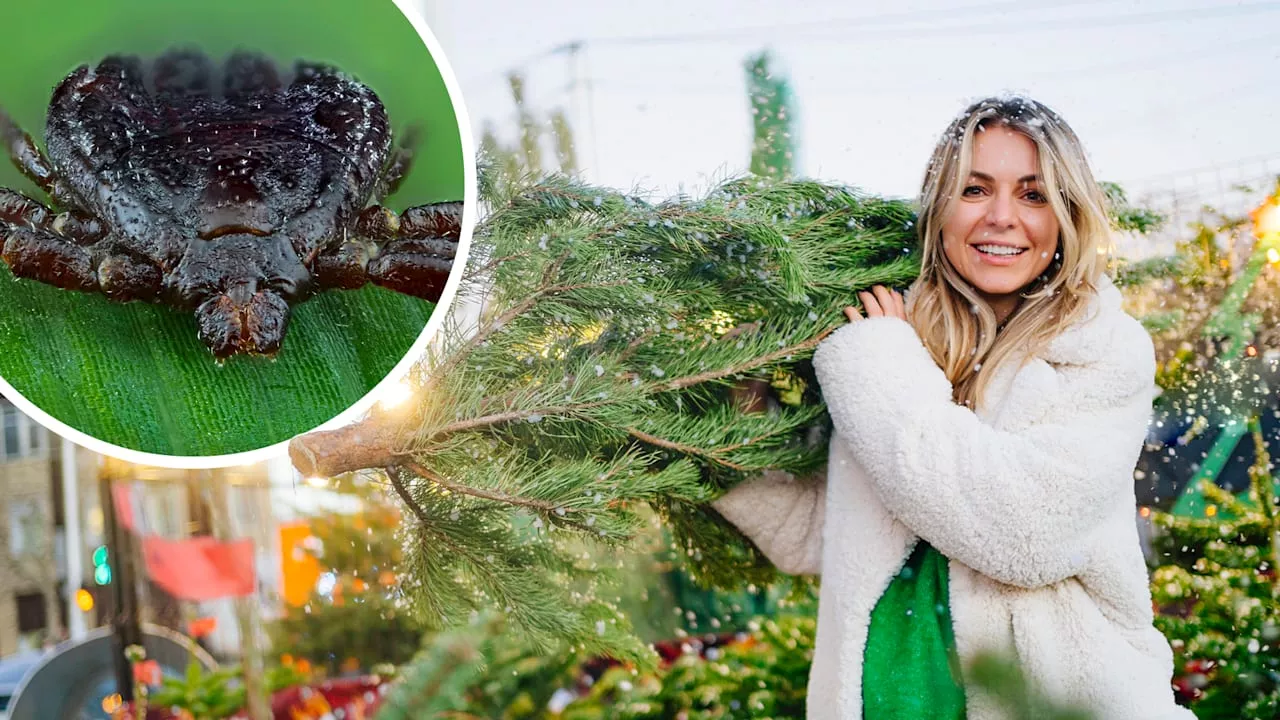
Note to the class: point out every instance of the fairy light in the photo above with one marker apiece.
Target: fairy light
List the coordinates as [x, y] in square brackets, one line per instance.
[396, 395]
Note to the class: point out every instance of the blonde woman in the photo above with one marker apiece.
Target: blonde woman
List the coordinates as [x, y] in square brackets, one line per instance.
[979, 489]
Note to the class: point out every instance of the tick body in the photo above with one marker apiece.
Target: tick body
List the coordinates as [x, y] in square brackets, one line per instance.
[234, 191]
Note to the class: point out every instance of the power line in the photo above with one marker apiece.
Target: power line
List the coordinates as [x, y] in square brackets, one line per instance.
[889, 18]
[874, 23]
[862, 21]
[869, 23]
[1085, 73]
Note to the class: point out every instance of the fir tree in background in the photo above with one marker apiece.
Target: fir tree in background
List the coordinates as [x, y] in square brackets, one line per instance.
[1219, 594]
[597, 380]
[1220, 598]
[1213, 310]
[361, 620]
[773, 149]
[526, 155]
[478, 671]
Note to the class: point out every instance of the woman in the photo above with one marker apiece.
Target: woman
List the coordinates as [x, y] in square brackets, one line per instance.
[979, 489]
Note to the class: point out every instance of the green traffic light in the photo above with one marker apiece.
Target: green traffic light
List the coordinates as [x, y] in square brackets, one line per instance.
[102, 575]
[100, 556]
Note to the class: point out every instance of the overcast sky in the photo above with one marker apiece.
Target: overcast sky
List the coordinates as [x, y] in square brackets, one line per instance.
[1155, 89]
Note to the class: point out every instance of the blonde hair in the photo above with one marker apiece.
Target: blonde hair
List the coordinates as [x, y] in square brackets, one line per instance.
[957, 326]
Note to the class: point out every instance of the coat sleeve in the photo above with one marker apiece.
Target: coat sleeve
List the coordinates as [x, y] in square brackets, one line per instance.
[1017, 506]
[782, 515]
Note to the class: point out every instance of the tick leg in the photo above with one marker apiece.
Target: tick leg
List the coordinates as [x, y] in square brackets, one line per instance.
[124, 278]
[399, 164]
[414, 267]
[343, 268]
[249, 73]
[41, 255]
[438, 220]
[422, 245]
[183, 73]
[18, 210]
[410, 253]
[31, 161]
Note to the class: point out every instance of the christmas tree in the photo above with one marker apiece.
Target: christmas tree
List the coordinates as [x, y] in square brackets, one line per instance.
[1218, 593]
[773, 147]
[761, 672]
[1220, 598]
[598, 378]
[359, 618]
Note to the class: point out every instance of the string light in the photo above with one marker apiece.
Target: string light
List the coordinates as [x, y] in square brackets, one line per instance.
[396, 395]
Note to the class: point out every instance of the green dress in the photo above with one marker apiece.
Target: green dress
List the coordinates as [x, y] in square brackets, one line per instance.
[910, 670]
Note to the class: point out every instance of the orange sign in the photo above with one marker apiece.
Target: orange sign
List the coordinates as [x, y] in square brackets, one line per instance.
[299, 570]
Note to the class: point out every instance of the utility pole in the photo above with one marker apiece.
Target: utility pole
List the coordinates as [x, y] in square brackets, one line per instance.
[125, 627]
[580, 79]
[73, 540]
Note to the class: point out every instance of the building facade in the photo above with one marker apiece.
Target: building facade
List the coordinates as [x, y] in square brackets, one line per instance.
[31, 608]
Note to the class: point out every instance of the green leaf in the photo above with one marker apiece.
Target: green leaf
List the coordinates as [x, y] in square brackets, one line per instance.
[135, 375]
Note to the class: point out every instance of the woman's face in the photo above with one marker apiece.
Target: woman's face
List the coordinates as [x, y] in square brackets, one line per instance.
[1001, 232]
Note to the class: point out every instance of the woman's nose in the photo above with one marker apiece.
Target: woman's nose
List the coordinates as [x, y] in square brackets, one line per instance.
[1000, 210]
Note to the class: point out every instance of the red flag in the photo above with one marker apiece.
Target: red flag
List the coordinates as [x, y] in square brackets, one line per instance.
[122, 498]
[200, 568]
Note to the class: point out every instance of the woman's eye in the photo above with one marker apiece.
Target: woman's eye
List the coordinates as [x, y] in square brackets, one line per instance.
[972, 190]
[1036, 197]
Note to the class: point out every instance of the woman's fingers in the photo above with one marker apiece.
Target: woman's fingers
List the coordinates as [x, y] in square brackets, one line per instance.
[885, 298]
[879, 301]
[886, 303]
[870, 304]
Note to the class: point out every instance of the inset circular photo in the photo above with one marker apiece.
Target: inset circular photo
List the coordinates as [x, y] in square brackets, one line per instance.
[223, 224]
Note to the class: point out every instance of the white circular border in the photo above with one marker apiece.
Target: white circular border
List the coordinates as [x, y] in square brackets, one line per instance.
[397, 373]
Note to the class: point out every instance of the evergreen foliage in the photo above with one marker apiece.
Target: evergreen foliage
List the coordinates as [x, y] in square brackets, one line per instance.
[362, 621]
[1220, 597]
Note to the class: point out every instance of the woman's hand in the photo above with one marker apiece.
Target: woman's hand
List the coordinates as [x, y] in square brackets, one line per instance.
[879, 302]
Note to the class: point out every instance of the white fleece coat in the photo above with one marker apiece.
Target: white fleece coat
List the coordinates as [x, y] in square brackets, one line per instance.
[1031, 499]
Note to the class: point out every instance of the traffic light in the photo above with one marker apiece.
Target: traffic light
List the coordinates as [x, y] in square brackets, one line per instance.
[101, 566]
[84, 600]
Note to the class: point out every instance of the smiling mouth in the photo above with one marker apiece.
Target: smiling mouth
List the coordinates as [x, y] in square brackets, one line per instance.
[999, 250]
